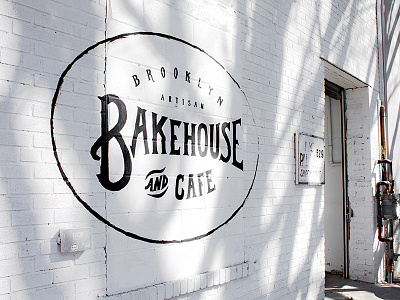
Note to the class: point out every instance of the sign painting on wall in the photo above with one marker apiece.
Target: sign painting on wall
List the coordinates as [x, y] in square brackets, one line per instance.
[148, 134]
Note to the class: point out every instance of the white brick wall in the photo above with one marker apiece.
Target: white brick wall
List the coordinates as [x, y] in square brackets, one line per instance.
[38, 39]
[273, 49]
[363, 152]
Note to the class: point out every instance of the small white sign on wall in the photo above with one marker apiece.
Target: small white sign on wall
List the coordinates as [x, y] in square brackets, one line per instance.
[310, 158]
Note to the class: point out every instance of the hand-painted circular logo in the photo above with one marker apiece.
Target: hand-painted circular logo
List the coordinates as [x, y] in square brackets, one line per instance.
[148, 134]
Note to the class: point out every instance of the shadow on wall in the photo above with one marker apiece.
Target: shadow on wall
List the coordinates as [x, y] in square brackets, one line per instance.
[291, 228]
[40, 39]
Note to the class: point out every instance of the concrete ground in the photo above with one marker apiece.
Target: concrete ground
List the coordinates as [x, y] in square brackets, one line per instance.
[338, 288]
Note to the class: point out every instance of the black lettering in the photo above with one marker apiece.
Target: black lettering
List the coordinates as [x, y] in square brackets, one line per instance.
[190, 187]
[136, 80]
[103, 143]
[149, 76]
[187, 76]
[199, 177]
[176, 73]
[157, 183]
[150, 185]
[165, 181]
[189, 137]
[235, 142]
[157, 129]
[301, 159]
[226, 158]
[140, 128]
[162, 72]
[174, 123]
[214, 154]
[202, 152]
[209, 181]
[199, 83]
[178, 195]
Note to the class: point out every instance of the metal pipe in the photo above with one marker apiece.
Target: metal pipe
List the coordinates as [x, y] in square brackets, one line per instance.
[385, 239]
[386, 170]
[388, 184]
[382, 119]
[379, 211]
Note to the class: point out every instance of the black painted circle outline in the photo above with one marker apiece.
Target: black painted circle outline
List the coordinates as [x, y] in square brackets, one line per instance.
[64, 176]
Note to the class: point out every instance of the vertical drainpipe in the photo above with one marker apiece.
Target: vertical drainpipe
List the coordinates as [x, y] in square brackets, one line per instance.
[382, 66]
[384, 130]
[381, 25]
[387, 193]
[381, 35]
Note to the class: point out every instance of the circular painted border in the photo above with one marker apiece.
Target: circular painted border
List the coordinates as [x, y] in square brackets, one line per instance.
[65, 178]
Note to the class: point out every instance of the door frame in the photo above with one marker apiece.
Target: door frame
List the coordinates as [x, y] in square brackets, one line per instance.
[334, 91]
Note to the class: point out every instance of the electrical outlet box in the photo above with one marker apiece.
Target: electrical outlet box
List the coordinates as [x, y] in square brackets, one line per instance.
[75, 240]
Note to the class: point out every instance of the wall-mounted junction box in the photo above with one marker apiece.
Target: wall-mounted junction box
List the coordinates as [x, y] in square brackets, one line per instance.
[74, 240]
[390, 206]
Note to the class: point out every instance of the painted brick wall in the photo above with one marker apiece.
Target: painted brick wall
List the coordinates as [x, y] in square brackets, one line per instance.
[274, 48]
[38, 40]
[342, 35]
[365, 252]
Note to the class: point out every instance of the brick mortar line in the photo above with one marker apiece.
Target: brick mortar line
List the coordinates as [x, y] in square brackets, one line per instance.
[199, 282]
